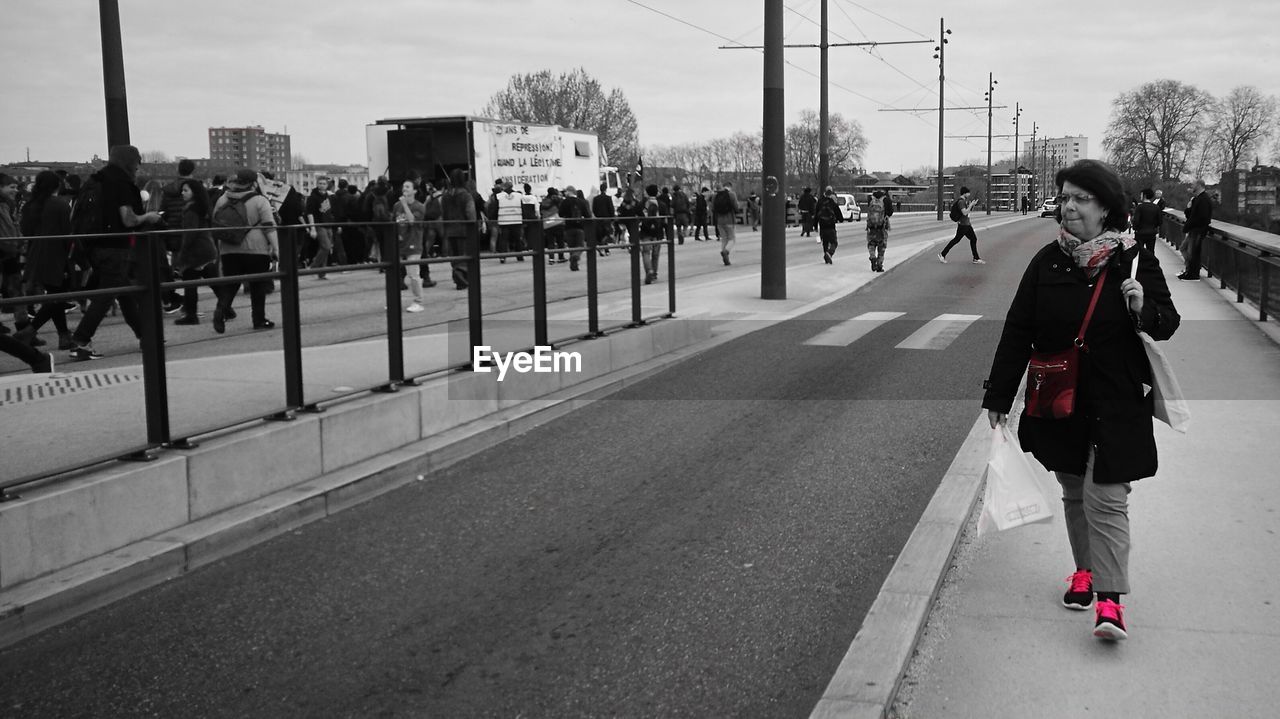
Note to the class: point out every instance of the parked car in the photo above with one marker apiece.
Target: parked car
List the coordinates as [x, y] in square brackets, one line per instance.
[1049, 208]
[848, 207]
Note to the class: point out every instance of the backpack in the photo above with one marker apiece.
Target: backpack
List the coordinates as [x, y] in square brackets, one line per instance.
[651, 227]
[680, 201]
[570, 208]
[231, 221]
[86, 218]
[723, 203]
[876, 217]
[378, 210]
[956, 213]
[826, 213]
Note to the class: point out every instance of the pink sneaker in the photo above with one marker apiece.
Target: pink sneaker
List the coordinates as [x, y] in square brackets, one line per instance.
[1080, 590]
[1110, 622]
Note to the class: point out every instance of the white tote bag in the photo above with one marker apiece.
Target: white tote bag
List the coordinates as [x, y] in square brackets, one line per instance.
[1018, 491]
[1170, 405]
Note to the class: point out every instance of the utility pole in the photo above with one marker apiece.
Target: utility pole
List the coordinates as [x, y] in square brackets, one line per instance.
[773, 241]
[113, 74]
[942, 76]
[991, 88]
[824, 122]
[1017, 177]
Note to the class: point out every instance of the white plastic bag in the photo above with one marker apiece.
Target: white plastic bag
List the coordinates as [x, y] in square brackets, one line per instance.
[1019, 490]
[1170, 404]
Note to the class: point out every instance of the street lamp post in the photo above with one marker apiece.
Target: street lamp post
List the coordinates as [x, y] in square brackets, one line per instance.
[991, 88]
[113, 74]
[940, 53]
[1017, 176]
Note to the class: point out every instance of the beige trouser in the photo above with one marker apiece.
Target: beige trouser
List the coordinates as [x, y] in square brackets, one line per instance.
[1097, 519]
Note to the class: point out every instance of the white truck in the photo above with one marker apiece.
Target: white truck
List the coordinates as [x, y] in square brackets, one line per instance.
[542, 156]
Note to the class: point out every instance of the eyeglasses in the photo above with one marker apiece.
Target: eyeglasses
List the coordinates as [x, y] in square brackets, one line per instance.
[1081, 199]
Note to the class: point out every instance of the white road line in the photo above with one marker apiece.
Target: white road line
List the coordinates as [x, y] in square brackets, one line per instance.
[938, 333]
[850, 331]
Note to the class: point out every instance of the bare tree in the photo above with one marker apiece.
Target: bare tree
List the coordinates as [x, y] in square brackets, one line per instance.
[299, 161]
[1242, 122]
[156, 157]
[1156, 127]
[574, 100]
[847, 144]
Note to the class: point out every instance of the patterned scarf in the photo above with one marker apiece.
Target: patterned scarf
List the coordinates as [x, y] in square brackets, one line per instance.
[1093, 255]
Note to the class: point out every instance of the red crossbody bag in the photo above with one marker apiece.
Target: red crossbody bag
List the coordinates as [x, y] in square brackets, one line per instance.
[1052, 376]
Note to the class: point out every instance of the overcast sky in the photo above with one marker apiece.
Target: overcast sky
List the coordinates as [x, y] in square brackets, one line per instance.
[324, 69]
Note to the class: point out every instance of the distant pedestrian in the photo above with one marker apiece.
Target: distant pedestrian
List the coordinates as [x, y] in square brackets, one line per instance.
[1146, 220]
[807, 204]
[652, 230]
[879, 210]
[700, 212]
[628, 210]
[47, 216]
[725, 206]
[458, 213]
[408, 213]
[576, 214]
[1161, 205]
[508, 220]
[1199, 214]
[666, 208]
[1106, 441]
[602, 209]
[197, 256]
[111, 254]
[964, 228]
[320, 217]
[826, 214]
[552, 226]
[680, 205]
[252, 255]
[753, 211]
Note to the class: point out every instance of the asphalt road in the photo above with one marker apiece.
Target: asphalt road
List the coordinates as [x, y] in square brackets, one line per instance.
[704, 543]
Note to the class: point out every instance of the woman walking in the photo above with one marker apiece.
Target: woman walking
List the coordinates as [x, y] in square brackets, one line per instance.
[197, 257]
[1107, 442]
[47, 217]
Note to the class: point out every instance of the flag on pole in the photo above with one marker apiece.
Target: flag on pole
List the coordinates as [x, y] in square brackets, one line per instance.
[640, 169]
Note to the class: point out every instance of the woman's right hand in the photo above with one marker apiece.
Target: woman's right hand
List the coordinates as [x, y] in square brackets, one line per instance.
[996, 418]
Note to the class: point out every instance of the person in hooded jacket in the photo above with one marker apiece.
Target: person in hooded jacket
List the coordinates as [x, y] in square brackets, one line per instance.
[252, 256]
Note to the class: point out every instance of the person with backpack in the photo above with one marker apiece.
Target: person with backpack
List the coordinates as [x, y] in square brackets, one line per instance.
[680, 206]
[552, 225]
[826, 213]
[879, 210]
[651, 230]
[964, 228]
[109, 207]
[725, 206]
[245, 229]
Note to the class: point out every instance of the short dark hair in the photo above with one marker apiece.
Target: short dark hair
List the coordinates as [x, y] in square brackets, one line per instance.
[219, 179]
[1100, 180]
[1148, 194]
[186, 167]
[651, 190]
[964, 190]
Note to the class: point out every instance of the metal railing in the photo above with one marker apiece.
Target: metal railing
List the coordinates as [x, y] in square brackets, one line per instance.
[149, 288]
[1240, 258]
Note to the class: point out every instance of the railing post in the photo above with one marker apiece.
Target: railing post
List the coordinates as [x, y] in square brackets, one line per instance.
[535, 240]
[634, 237]
[475, 321]
[389, 244]
[147, 250]
[593, 281]
[1264, 268]
[671, 271]
[291, 321]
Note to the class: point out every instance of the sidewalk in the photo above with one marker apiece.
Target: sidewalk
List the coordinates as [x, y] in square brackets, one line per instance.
[1203, 619]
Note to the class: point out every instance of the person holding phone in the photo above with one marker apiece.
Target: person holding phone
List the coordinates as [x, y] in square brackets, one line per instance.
[964, 228]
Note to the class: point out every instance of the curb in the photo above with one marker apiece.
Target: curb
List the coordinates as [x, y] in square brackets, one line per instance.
[867, 680]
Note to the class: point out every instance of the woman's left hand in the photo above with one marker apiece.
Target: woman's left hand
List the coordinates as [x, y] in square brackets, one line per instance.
[1132, 291]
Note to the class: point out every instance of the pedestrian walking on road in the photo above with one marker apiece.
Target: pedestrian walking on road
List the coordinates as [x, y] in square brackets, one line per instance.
[252, 255]
[458, 213]
[652, 230]
[808, 205]
[1146, 221]
[197, 256]
[725, 206]
[680, 206]
[1107, 442]
[700, 211]
[827, 213]
[47, 215]
[964, 228]
[1199, 214]
[602, 209]
[408, 214]
[879, 210]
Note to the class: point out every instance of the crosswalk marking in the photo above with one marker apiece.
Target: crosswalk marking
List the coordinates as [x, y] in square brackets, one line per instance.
[849, 331]
[938, 333]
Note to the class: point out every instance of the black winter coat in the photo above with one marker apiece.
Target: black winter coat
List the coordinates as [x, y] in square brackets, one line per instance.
[1112, 411]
